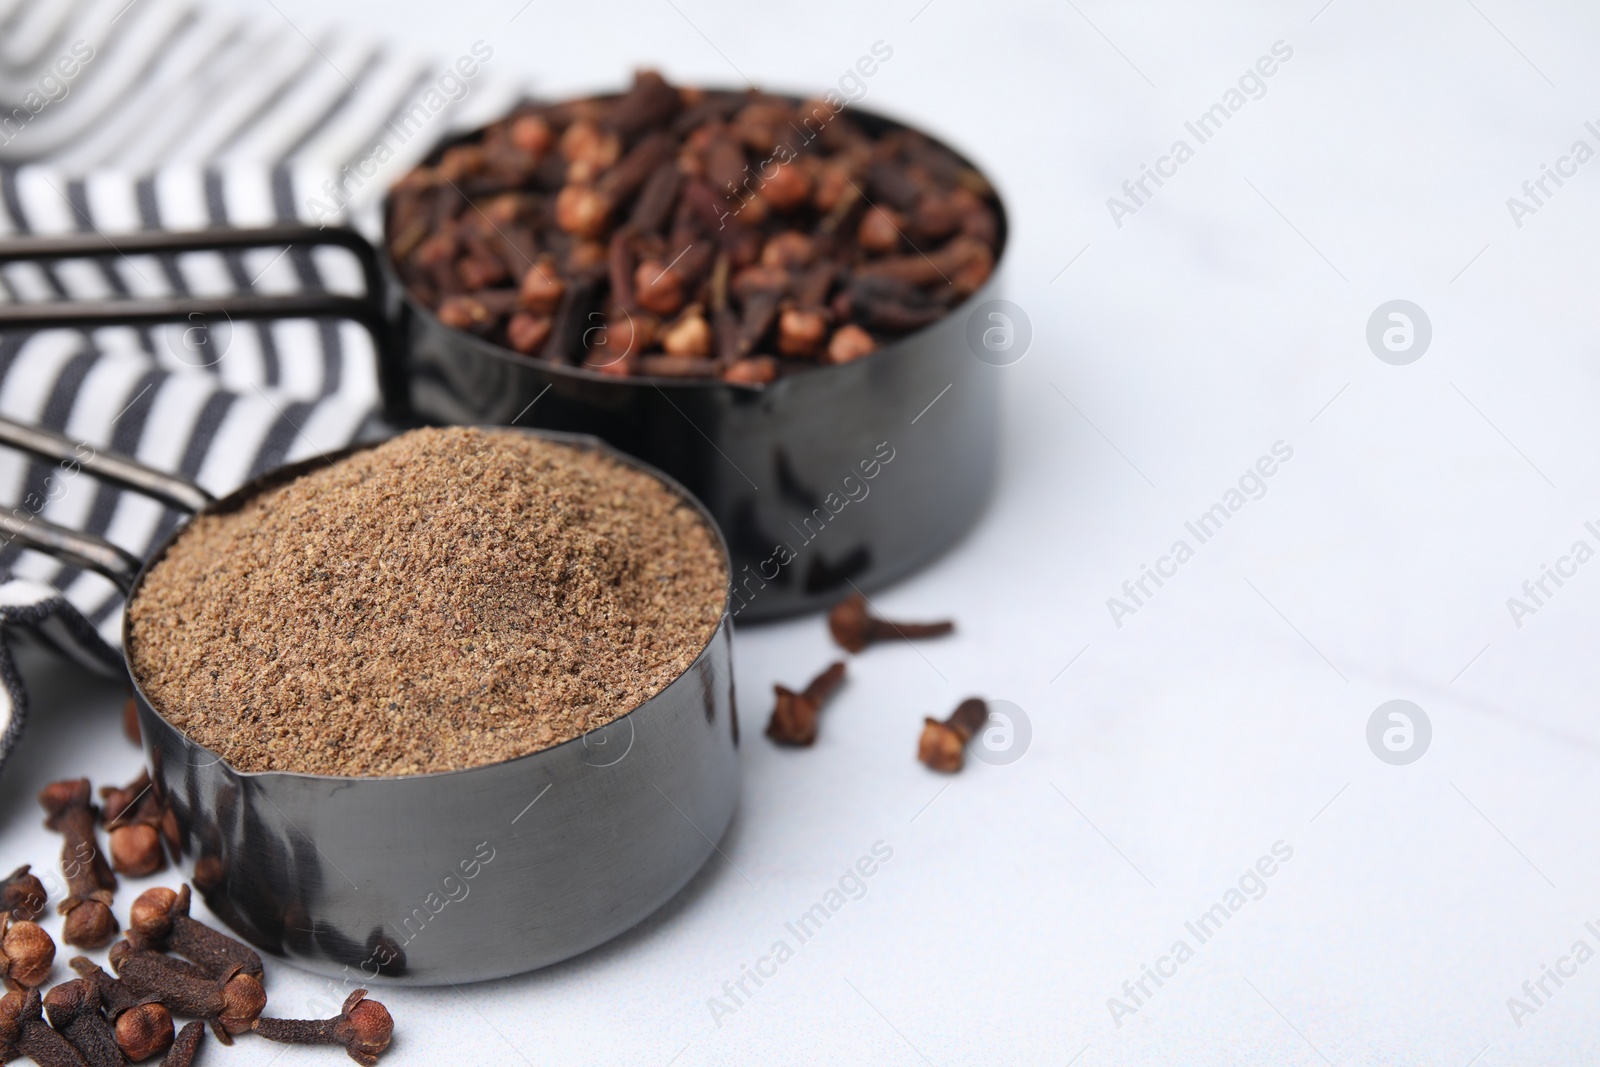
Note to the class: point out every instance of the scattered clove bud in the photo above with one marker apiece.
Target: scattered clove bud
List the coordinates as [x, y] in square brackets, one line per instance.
[159, 921]
[136, 849]
[794, 717]
[229, 1002]
[185, 1046]
[145, 1031]
[133, 817]
[116, 996]
[26, 953]
[70, 811]
[853, 628]
[363, 1028]
[943, 745]
[23, 1032]
[22, 895]
[73, 1008]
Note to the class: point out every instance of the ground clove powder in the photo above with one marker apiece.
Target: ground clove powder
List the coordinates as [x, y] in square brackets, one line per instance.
[450, 598]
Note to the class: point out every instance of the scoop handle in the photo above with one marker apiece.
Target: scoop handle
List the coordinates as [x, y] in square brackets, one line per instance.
[171, 489]
[70, 546]
[23, 525]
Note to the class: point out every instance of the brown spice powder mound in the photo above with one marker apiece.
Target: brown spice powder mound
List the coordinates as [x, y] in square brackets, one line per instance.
[450, 598]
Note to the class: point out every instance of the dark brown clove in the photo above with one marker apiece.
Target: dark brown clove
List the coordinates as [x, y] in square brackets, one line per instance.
[73, 1008]
[802, 331]
[650, 102]
[794, 716]
[849, 342]
[159, 921]
[145, 1030]
[70, 811]
[752, 370]
[541, 287]
[527, 332]
[888, 304]
[762, 290]
[657, 198]
[26, 953]
[22, 895]
[125, 803]
[690, 335]
[363, 1028]
[229, 1002]
[943, 745]
[136, 849]
[962, 256]
[132, 817]
[659, 288]
[625, 202]
[185, 1046]
[880, 230]
[854, 628]
[23, 1032]
[116, 996]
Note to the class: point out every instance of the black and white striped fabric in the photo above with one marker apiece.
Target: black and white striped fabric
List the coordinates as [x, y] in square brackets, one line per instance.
[169, 114]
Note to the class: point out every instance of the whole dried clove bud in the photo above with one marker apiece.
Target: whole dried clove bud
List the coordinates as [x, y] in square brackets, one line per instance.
[116, 996]
[70, 811]
[761, 123]
[853, 628]
[466, 313]
[689, 336]
[26, 953]
[74, 1010]
[585, 143]
[527, 332]
[788, 189]
[159, 921]
[363, 1028]
[794, 717]
[145, 1030]
[229, 1002]
[23, 1032]
[480, 272]
[801, 331]
[582, 210]
[752, 370]
[943, 745]
[788, 250]
[136, 850]
[880, 230]
[541, 287]
[132, 817]
[462, 161]
[532, 134]
[22, 895]
[849, 342]
[127, 803]
[657, 287]
[185, 1046]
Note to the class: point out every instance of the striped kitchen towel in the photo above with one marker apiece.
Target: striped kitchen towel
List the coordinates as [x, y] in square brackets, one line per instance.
[125, 115]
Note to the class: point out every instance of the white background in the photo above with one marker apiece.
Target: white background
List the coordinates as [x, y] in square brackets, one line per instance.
[1230, 713]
